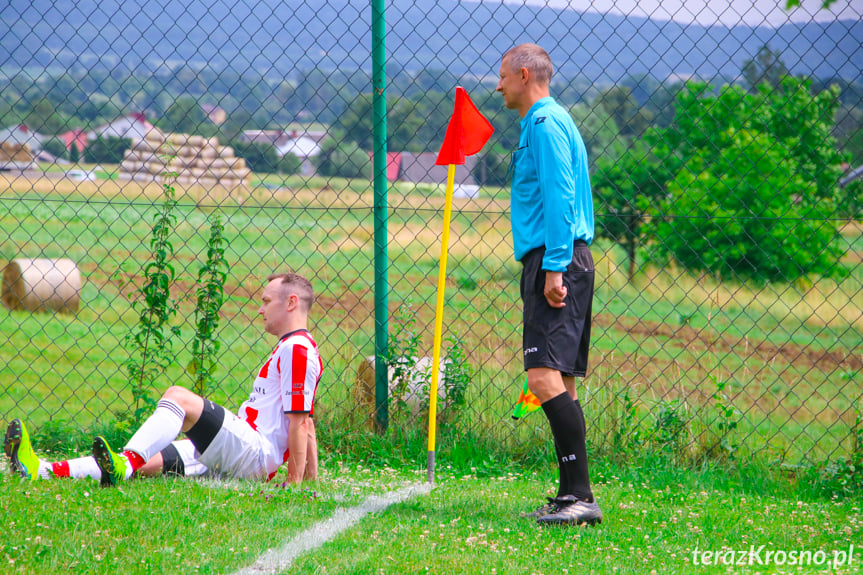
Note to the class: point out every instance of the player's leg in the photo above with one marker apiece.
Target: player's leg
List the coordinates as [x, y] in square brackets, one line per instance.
[178, 410]
[24, 461]
[179, 458]
[229, 446]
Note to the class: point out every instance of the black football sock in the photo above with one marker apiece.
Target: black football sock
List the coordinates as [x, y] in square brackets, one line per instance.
[583, 435]
[564, 476]
[568, 431]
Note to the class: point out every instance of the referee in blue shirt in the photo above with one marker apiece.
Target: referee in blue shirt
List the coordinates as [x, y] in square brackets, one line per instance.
[552, 228]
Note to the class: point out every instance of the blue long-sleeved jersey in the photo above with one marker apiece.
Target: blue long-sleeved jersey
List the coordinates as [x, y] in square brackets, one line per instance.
[551, 204]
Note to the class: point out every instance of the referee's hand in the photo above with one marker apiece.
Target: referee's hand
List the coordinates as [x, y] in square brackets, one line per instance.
[555, 291]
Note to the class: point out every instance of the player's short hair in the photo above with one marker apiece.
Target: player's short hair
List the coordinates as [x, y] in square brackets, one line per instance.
[295, 284]
[534, 59]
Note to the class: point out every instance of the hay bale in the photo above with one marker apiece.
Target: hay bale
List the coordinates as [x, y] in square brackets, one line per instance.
[187, 152]
[411, 386]
[208, 153]
[155, 136]
[216, 164]
[41, 285]
[147, 146]
[178, 140]
[235, 163]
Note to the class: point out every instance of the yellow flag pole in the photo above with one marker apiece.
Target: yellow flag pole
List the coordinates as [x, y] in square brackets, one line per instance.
[438, 321]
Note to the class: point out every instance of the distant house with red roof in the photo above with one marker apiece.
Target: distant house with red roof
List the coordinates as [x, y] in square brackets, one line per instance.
[421, 168]
[77, 138]
[22, 135]
[134, 127]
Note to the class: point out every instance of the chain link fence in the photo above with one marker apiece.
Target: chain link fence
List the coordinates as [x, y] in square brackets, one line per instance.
[141, 138]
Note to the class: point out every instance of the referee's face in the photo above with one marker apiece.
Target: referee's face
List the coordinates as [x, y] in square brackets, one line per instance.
[510, 85]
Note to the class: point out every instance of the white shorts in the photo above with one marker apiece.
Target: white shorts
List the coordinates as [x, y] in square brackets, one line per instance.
[181, 458]
[227, 445]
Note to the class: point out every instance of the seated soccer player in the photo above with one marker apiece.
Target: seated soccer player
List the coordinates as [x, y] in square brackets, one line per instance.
[273, 425]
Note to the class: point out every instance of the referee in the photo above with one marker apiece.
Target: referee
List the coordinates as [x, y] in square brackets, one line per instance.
[552, 228]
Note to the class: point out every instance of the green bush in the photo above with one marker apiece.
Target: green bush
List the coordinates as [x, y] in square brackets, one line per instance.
[289, 164]
[492, 167]
[108, 150]
[260, 158]
[343, 160]
[56, 147]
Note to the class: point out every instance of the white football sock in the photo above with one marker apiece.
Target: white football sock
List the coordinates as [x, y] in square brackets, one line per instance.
[78, 468]
[159, 430]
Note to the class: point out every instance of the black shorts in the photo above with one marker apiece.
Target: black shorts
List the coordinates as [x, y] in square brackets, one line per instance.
[558, 338]
[205, 430]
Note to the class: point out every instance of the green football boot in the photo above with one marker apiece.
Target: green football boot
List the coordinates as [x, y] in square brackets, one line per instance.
[22, 459]
[112, 465]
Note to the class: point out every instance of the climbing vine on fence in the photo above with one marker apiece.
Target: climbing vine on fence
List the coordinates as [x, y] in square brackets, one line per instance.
[149, 341]
[210, 296]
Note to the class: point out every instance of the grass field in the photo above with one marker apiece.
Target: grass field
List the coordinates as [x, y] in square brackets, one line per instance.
[658, 518]
[668, 347]
[707, 401]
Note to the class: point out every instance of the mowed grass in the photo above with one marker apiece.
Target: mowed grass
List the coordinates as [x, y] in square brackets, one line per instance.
[786, 356]
[657, 519]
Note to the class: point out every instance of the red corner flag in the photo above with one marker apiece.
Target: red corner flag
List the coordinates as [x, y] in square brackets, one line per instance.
[467, 132]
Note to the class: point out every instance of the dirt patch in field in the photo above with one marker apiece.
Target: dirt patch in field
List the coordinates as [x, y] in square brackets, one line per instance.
[688, 337]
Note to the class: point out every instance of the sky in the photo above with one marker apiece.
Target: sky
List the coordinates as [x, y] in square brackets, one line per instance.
[706, 12]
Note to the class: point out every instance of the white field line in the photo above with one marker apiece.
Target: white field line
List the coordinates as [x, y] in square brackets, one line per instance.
[277, 560]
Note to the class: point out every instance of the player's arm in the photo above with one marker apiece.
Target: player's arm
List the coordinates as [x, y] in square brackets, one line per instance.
[298, 437]
[297, 381]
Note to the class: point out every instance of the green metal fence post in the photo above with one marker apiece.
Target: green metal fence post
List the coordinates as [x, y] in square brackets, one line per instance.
[379, 116]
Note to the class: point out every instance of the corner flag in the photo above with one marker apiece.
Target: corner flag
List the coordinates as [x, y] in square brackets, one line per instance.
[466, 134]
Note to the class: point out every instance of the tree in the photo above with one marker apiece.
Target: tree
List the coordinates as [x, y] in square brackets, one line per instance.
[750, 213]
[108, 150]
[56, 147]
[492, 166]
[260, 158]
[766, 67]
[289, 164]
[627, 188]
[599, 132]
[43, 117]
[344, 159]
[184, 116]
[412, 126]
[619, 103]
[753, 187]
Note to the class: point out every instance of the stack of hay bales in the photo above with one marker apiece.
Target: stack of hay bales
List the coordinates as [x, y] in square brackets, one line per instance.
[195, 160]
[16, 156]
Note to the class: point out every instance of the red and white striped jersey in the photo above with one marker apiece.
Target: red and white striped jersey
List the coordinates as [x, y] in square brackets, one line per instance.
[285, 384]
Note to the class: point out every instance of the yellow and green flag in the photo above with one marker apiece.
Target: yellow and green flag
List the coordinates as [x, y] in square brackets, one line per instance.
[527, 402]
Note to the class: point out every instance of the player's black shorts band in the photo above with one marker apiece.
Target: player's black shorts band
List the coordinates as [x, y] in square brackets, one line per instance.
[205, 430]
[558, 338]
[172, 462]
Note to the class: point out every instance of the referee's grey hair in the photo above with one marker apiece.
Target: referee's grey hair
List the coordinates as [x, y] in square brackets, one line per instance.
[534, 59]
